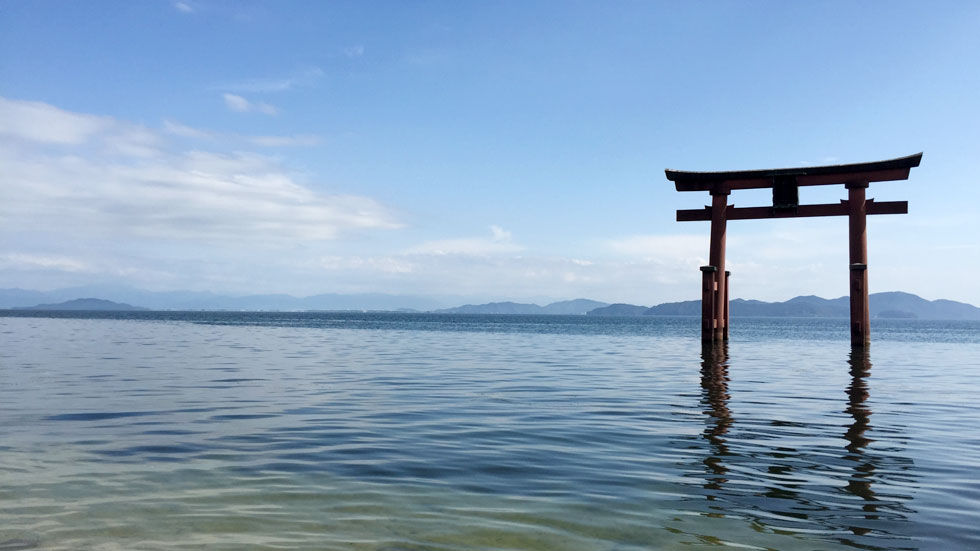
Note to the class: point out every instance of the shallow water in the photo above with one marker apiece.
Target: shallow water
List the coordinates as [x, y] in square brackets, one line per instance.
[399, 431]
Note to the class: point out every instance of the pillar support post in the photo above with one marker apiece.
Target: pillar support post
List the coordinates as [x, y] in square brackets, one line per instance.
[708, 303]
[728, 302]
[716, 258]
[858, 254]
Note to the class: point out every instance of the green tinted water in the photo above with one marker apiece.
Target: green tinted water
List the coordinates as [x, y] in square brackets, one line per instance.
[232, 431]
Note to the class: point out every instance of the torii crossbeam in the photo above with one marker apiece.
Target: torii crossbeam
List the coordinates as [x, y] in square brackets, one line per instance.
[785, 184]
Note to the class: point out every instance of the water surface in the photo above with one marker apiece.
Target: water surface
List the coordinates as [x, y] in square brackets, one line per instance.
[401, 431]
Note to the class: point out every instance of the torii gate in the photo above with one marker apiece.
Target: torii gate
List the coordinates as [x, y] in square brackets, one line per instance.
[785, 183]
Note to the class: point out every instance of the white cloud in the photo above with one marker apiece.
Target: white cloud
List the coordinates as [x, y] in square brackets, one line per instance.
[772, 264]
[183, 7]
[236, 103]
[505, 277]
[177, 129]
[43, 123]
[296, 140]
[381, 264]
[27, 261]
[500, 235]
[133, 141]
[499, 243]
[35, 125]
[306, 77]
[242, 105]
[682, 247]
[120, 182]
[354, 51]
[284, 141]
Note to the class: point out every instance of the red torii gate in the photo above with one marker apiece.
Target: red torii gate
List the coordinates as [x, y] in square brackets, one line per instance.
[785, 183]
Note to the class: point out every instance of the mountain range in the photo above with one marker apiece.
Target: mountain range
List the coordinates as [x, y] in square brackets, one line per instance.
[197, 300]
[575, 307]
[84, 304]
[883, 305]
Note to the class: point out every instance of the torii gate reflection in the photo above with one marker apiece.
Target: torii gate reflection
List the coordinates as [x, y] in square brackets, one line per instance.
[737, 456]
[785, 183]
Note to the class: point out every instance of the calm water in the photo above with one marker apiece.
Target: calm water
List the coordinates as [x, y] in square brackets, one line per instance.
[411, 432]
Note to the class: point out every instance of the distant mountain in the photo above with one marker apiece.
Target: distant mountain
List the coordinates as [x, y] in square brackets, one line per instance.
[798, 307]
[685, 308]
[619, 310]
[85, 304]
[197, 300]
[11, 298]
[895, 304]
[492, 308]
[575, 307]
[883, 305]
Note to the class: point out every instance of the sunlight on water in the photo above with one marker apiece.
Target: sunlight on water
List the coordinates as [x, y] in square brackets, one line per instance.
[396, 432]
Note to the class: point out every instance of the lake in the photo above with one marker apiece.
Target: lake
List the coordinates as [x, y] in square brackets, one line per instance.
[224, 430]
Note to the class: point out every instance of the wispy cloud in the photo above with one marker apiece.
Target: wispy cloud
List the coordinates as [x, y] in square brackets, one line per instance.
[295, 140]
[106, 184]
[354, 51]
[285, 141]
[242, 105]
[29, 261]
[178, 129]
[689, 247]
[43, 123]
[376, 264]
[499, 242]
[306, 77]
[183, 7]
[30, 124]
[508, 276]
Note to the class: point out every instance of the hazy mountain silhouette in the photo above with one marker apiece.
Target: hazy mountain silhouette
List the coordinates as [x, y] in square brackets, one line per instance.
[578, 306]
[198, 300]
[883, 305]
[84, 304]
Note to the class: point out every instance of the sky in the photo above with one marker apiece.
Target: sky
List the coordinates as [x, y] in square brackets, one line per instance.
[477, 151]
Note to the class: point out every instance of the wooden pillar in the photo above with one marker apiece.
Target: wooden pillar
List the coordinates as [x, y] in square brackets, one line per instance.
[728, 302]
[708, 303]
[858, 248]
[716, 256]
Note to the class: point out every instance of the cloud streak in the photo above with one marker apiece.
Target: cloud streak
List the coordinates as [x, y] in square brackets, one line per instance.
[42, 123]
[500, 242]
[121, 180]
[295, 140]
[28, 261]
[307, 77]
[354, 51]
[241, 105]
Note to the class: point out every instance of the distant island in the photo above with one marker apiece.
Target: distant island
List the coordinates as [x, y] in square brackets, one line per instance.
[895, 305]
[577, 307]
[89, 304]
[890, 305]
[203, 300]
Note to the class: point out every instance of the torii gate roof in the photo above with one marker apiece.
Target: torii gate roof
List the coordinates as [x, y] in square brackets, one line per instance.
[876, 171]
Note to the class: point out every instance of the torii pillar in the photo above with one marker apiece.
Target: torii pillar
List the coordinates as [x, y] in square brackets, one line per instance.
[785, 184]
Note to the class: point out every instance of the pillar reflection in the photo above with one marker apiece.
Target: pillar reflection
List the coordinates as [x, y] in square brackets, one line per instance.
[859, 483]
[714, 396]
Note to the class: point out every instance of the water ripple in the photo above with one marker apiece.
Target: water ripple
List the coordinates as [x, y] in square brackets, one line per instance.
[231, 433]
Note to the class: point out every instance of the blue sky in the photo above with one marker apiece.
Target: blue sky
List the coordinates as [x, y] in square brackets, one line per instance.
[476, 150]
